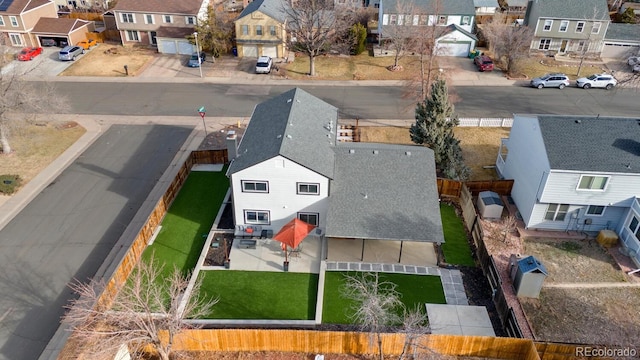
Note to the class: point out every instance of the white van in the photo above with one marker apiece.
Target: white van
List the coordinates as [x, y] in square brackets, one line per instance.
[264, 64]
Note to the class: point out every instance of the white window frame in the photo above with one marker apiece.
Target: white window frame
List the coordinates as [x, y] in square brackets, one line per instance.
[249, 216]
[581, 46]
[442, 20]
[545, 44]
[16, 39]
[13, 20]
[400, 19]
[131, 34]
[254, 188]
[272, 30]
[580, 27]
[307, 215]
[592, 210]
[167, 17]
[245, 29]
[564, 24]
[590, 185]
[127, 18]
[559, 211]
[1, 21]
[393, 19]
[190, 20]
[466, 20]
[301, 191]
[595, 29]
[548, 24]
[149, 19]
[635, 229]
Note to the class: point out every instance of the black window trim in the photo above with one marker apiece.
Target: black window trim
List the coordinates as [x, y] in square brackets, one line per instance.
[243, 182]
[307, 193]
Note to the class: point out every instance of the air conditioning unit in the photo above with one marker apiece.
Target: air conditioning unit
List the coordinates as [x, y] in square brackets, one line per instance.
[588, 221]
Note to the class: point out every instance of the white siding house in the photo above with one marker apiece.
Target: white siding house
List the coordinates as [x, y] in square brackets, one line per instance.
[572, 172]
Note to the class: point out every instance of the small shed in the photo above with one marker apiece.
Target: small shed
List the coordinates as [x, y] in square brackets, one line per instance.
[489, 205]
[528, 275]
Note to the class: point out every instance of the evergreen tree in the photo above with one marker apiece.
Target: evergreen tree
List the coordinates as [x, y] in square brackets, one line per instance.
[215, 32]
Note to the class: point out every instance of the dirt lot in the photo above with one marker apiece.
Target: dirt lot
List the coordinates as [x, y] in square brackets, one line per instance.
[479, 145]
[109, 60]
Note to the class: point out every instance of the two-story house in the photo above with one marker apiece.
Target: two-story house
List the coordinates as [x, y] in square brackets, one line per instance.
[161, 23]
[18, 17]
[568, 26]
[261, 29]
[372, 197]
[573, 172]
[455, 17]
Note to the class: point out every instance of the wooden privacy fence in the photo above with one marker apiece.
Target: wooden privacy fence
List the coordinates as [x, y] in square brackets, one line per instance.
[335, 342]
[448, 187]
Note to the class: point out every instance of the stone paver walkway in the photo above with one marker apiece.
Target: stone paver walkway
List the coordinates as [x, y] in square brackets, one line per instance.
[451, 279]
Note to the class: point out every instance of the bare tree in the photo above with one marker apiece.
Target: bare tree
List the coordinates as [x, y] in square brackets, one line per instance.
[19, 99]
[149, 310]
[415, 325]
[314, 27]
[400, 32]
[376, 304]
[509, 42]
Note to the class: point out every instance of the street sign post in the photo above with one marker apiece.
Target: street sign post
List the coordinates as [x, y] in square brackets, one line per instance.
[202, 111]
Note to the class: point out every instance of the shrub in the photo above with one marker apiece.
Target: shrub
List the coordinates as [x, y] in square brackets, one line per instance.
[9, 184]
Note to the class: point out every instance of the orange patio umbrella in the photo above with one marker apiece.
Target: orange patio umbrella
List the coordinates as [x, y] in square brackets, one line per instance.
[292, 234]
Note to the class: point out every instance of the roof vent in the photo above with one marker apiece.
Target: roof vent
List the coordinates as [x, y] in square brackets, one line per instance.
[578, 121]
[288, 136]
[375, 152]
[289, 100]
[352, 151]
[279, 136]
[408, 153]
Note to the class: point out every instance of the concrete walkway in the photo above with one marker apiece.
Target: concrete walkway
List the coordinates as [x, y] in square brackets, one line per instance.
[451, 279]
[601, 285]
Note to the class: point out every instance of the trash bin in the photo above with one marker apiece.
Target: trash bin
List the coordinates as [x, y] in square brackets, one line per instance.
[473, 53]
[234, 50]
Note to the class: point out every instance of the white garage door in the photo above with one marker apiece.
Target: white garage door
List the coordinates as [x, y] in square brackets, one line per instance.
[271, 51]
[185, 48]
[250, 51]
[619, 51]
[167, 47]
[453, 49]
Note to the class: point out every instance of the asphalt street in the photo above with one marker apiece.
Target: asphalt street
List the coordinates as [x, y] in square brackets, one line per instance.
[364, 102]
[69, 229]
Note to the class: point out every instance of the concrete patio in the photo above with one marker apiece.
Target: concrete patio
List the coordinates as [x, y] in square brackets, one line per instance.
[459, 320]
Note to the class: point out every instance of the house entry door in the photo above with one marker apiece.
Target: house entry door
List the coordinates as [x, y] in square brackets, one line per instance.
[563, 46]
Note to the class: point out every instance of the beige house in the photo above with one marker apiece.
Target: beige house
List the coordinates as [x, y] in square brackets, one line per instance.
[18, 18]
[160, 23]
[260, 29]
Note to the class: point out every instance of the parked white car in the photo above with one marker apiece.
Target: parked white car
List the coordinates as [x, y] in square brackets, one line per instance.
[597, 81]
[263, 65]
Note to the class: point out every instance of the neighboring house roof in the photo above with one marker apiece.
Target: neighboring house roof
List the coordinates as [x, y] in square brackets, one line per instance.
[531, 265]
[20, 6]
[388, 195]
[448, 7]
[517, 3]
[272, 8]
[174, 32]
[626, 32]
[191, 7]
[62, 26]
[455, 27]
[591, 143]
[295, 125]
[567, 9]
[486, 3]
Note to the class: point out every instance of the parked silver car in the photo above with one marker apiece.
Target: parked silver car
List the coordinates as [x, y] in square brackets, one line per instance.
[597, 81]
[551, 80]
[70, 53]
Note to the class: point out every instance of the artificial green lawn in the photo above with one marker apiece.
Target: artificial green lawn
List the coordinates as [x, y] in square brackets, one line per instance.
[261, 295]
[456, 248]
[416, 290]
[190, 216]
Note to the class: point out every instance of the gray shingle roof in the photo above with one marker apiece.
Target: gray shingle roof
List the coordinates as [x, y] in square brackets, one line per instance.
[294, 125]
[272, 8]
[187, 7]
[626, 32]
[486, 3]
[567, 9]
[388, 195]
[453, 27]
[590, 143]
[448, 7]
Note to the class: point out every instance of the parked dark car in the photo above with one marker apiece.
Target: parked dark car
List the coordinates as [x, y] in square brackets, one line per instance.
[483, 63]
[193, 61]
[48, 42]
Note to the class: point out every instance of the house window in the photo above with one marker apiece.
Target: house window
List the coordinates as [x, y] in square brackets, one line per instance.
[593, 182]
[308, 189]
[245, 29]
[466, 20]
[14, 21]
[127, 18]
[442, 20]
[581, 46]
[148, 19]
[16, 39]
[633, 226]
[255, 186]
[256, 217]
[416, 20]
[272, 30]
[408, 19]
[596, 210]
[596, 28]
[564, 24]
[544, 44]
[424, 19]
[309, 218]
[400, 19]
[168, 19]
[393, 19]
[259, 30]
[190, 20]
[580, 26]
[1, 21]
[132, 35]
[547, 25]
[556, 212]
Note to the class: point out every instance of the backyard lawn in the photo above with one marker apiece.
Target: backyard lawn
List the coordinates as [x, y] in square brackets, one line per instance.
[188, 220]
[261, 295]
[456, 247]
[416, 290]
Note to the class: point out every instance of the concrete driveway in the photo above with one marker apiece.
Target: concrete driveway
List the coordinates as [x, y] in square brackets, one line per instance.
[45, 64]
